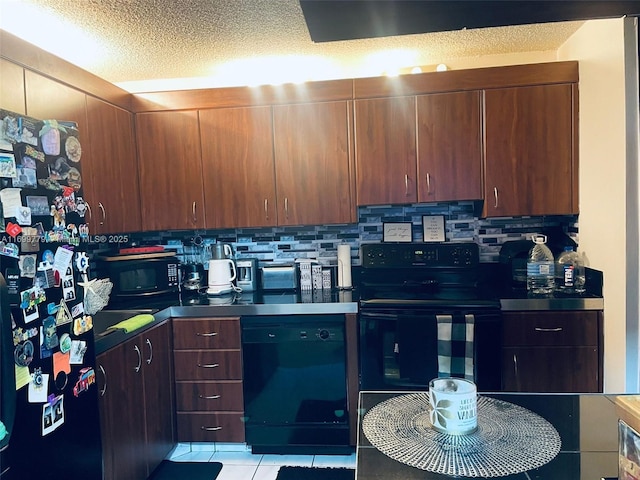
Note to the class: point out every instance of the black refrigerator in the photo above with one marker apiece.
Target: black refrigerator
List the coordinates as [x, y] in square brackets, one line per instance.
[50, 425]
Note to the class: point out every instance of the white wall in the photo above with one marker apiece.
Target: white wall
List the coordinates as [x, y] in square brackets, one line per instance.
[599, 47]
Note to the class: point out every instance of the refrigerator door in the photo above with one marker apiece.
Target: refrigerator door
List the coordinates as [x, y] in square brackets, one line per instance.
[50, 401]
[7, 380]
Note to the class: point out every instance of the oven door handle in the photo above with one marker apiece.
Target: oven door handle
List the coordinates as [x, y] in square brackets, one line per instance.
[379, 315]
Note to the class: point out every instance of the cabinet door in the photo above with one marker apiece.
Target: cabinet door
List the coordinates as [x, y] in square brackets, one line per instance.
[529, 145]
[550, 369]
[385, 141]
[449, 147]
[11, 87]
[159, 399]
[122, 416]
[312, 163]
[552, 351]
[170, 170]
[237, 167]
[48, 99]
[113, 168]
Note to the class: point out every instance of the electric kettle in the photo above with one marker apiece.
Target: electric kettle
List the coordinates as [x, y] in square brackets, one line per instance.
[221, 273]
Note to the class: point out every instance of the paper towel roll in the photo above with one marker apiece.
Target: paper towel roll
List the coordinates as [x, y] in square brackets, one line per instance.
[344, 266]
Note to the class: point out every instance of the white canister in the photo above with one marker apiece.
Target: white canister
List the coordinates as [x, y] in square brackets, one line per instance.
[454, 405]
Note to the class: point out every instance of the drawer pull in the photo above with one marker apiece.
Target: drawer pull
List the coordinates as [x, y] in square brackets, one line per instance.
[212, 334]
[210, 429]
[556, 329]
[210, 397]
[212, 365]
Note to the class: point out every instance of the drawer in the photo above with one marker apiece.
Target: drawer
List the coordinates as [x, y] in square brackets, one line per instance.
[561, 328]
[211, 427]
[209, 396]
[206, 333]
[208, 364]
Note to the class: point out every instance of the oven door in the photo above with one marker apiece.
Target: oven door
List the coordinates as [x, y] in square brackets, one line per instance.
[399, 347]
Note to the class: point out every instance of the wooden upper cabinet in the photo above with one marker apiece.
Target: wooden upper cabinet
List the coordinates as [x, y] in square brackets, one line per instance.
[11, 87]
[385, 144]
[312, 163]
[48, 99]
[530, 161]
[237, 167]
[170, 169]
[113, 169]
[449, 146]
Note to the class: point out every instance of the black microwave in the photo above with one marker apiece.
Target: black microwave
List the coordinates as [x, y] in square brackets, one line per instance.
[141, 276]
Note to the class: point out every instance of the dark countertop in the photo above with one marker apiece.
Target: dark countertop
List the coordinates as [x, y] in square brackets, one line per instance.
[193, 304]
[587, 424]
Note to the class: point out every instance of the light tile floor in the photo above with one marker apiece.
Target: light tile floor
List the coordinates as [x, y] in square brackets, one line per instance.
[238, 463]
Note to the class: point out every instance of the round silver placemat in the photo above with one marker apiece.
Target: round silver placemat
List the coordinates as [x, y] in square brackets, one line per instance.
[510, 439]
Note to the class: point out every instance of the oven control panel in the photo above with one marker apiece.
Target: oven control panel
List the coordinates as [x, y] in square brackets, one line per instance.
[428, 255]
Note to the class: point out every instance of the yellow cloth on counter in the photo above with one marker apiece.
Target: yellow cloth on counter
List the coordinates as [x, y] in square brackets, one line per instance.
[133, 323]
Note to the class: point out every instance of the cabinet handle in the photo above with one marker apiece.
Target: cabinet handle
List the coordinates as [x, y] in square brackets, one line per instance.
[540, 329]
[406, 185]
[210, 397]
[210, 365]
[266, 209]
[286, 207]
[211, 334]
[193, 212]
[150, 359]
[104, 213]
[210, 429]
[515, 371]
[89, 210]
[139, 366]
[428, 184]
[103, 390]
[495, 196]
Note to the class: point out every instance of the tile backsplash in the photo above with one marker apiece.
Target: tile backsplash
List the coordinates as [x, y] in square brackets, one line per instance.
[285, 244]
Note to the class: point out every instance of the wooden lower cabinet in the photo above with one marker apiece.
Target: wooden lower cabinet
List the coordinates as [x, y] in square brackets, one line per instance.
[552, 351]
[137, 404]
[208, 363]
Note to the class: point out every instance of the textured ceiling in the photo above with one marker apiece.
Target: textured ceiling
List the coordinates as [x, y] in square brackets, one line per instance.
[168, 39]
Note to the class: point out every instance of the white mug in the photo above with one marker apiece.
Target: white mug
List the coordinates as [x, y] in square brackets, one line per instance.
[454, 405]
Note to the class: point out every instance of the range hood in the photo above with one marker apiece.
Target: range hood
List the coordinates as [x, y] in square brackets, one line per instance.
[332, 20]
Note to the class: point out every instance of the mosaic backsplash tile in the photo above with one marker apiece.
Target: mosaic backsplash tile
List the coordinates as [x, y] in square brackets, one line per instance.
[285, 244]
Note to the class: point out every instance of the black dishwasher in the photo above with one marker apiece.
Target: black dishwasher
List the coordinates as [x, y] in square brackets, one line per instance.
[295, 386]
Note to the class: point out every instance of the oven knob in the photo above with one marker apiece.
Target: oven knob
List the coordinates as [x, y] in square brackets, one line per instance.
[324, 334]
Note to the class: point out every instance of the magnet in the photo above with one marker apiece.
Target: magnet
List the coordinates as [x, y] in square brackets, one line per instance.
[61, 380]
[13, 229]
[33, 153]
[73, 148]
[23, 354]
[82, 262]
[50, 184]
[51, 339]
[65, 343]
[81, 206]
[27, 265]
[38, 379]
[87, 377]
[48, 257]
[82, 325]
[9, 249]
[64, 316]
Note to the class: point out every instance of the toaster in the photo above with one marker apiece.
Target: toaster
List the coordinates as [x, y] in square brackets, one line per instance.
[279, 276]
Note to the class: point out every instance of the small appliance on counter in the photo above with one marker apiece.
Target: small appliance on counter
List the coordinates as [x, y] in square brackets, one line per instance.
[192, 276]
[247, 269]
[140, 273]
[222, 272]
[279, 276]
